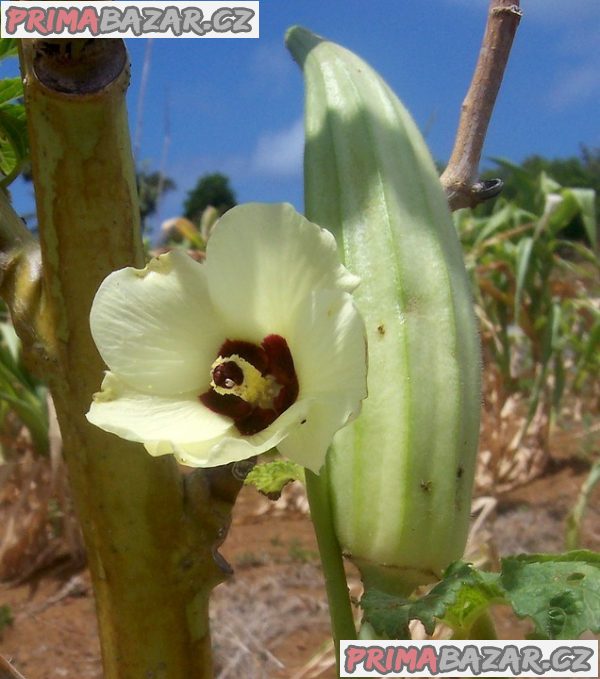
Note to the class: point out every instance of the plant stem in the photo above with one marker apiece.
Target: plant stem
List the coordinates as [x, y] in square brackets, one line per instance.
[340, 608]
[151, 537]
[575, 517]
[483, 628]
[460, 176]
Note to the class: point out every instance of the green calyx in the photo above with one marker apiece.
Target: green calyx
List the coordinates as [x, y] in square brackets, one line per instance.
[401, 474]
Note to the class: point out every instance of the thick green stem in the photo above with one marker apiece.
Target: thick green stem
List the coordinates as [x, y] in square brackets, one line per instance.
[483, 628]
[150, 537]
[340, 609]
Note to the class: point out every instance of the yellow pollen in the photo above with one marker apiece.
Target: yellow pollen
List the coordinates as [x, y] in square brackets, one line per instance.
[255, 389]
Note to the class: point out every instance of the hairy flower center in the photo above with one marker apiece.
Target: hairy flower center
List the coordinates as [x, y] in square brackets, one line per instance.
[252, 384]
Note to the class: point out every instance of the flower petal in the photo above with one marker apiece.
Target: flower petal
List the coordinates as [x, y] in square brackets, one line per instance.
[263, 260]
[328, 343]
[233, 447]
[308, 444]
[156, 328]
[148, 417]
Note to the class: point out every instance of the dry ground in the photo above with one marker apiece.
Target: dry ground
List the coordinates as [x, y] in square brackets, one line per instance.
[270, 620]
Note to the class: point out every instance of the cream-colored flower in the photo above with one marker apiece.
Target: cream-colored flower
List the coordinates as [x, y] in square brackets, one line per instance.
[258, 346]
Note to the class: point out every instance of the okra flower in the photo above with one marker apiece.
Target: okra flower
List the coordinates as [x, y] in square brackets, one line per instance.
[258, 346]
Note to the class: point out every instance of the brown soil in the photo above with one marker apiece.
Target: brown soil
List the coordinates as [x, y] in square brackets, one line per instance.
[270, 620]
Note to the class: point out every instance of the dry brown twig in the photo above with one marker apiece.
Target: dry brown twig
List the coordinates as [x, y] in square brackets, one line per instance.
[7, 671]
[460, 177]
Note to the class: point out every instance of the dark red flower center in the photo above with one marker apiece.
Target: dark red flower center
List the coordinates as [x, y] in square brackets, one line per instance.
[252, 384]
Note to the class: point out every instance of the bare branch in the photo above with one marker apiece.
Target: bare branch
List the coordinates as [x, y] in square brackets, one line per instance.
[459, 178]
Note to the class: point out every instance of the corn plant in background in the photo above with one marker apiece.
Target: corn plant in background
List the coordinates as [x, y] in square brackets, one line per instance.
[39, 525]
[23, 398]
[538, 301]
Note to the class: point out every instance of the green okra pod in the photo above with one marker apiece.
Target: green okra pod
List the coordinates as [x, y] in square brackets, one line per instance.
[401, 475]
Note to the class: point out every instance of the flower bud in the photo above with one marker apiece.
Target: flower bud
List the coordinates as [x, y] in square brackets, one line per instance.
[401, 475]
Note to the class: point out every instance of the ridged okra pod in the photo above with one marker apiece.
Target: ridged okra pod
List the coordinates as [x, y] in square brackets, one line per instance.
[401, 475]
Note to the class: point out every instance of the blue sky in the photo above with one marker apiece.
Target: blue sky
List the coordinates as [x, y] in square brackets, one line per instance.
[235, 106]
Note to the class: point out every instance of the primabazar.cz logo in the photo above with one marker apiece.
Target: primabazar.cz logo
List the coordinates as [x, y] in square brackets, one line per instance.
[452, 658]
[61, 19]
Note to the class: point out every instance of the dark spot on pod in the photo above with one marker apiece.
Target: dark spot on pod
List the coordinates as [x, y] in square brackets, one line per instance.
[303, 421]
[381, 329]
[459, 472]
[186, 563]
[426, 486]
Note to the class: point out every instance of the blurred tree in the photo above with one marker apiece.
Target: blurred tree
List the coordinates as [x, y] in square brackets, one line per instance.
[583, 171]
[151, 186]
[211, 190]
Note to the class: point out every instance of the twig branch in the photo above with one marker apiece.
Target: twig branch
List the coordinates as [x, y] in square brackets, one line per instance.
[459, 178]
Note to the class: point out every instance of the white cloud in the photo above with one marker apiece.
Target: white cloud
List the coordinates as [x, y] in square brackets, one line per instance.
[280, 153]
[576, 85]
[578, 74]
[271, 62]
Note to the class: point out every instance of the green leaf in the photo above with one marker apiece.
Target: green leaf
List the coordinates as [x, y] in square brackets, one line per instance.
[559, 380]
[8, 48]
[20, 392]
[588, 353]
[271, 477]
[583, 251]
[13, 137]
[499, 220]
[550, 340]
[547, 184]
[524, 250]
[528, 184]
[9, 337]
[458, 600]
[586, 202]
[561, 593]
[8, 158]
[10, 88]
[563, 213]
